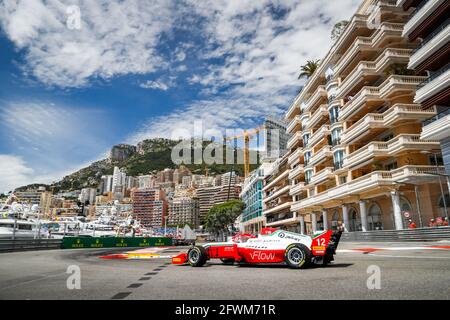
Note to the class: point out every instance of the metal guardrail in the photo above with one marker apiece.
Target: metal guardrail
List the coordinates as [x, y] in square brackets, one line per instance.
[9, 245]
[419, 234]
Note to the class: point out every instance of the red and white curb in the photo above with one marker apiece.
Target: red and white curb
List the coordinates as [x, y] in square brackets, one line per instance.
[369, 250]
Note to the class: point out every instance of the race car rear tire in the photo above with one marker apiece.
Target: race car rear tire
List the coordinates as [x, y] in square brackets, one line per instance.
[197, 256]
[298, 256]
[227, 261]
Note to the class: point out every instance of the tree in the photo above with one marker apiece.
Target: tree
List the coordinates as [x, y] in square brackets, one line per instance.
[338, 29]
[308, 69]
[222, 216]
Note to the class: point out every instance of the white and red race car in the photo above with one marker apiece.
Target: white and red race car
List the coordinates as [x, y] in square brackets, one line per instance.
[271, 246]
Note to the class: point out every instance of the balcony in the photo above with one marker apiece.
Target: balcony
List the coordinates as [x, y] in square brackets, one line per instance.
[380, 149]
[294, 125]
[322, 176]
[295, 172]
[386, 31]
[371, 181]
[289, 218]
[276, 193]
[294, 108]
[295, 138]
[297, 188]
[318, 116]
[432, 86]
[396, 83]
[320, 156]
[362, 127]
[431, 44]
[421, 13]
[316, 97]
[397, 113]
[275, 207]
[366, 94]
[331, 85]
[438, 127]
[368, 69]
[295, 156]
[319, 135]
[276, 180]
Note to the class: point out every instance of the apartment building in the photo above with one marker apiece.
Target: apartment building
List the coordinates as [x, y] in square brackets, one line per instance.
[276, 197]
[210, 196]
[356, 152]
[149, 207]
[252, 219]
[183, 211]
[430, 23]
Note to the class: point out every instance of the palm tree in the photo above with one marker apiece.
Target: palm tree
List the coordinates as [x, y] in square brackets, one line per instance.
[308, 69]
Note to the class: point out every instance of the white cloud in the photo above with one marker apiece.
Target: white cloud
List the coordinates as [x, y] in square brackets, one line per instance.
[263, 44]
[47, 141]
[149, 84]
[180, 55]
[13, 172]
[116, 38]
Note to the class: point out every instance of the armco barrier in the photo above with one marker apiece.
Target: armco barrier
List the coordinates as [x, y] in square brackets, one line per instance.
[113, 242]
[9, 245]
[419, 234]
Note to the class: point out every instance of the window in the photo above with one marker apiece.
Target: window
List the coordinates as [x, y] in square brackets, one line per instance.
[307, 157]
[305, 123]
[308, 175]
[334, 114]
[336, 136]
[338, 159]
[305, 139]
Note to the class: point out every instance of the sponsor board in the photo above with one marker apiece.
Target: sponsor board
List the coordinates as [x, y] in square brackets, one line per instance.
[113, 242]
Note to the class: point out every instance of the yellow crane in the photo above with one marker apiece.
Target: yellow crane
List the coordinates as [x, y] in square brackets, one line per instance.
[247, 135]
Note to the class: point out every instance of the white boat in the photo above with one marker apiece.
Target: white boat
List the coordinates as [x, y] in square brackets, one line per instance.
[23, 229]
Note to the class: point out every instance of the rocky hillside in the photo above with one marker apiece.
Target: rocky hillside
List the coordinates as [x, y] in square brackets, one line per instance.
[148, 156]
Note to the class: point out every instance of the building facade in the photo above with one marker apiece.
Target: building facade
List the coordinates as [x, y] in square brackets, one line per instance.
[149, 207]
[183, 211]
[276, 197]
[252, 219]
[429, 24]
[356, 154]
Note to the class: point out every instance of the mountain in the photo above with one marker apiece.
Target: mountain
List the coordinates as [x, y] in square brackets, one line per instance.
[147, 157]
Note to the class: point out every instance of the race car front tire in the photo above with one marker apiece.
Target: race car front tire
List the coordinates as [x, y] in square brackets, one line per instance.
[197, 256]
[227, 261]
[298, 256]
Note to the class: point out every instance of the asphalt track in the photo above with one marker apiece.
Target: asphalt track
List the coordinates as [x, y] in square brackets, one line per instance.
[406, 272]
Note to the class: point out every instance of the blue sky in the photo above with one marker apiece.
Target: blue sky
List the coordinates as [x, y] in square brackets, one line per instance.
[138, 69]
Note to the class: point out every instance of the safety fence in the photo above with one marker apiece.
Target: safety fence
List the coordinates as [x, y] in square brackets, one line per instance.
[9, 245]
[419, 234]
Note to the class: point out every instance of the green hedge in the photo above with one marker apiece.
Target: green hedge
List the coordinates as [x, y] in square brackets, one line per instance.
[113, 242]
